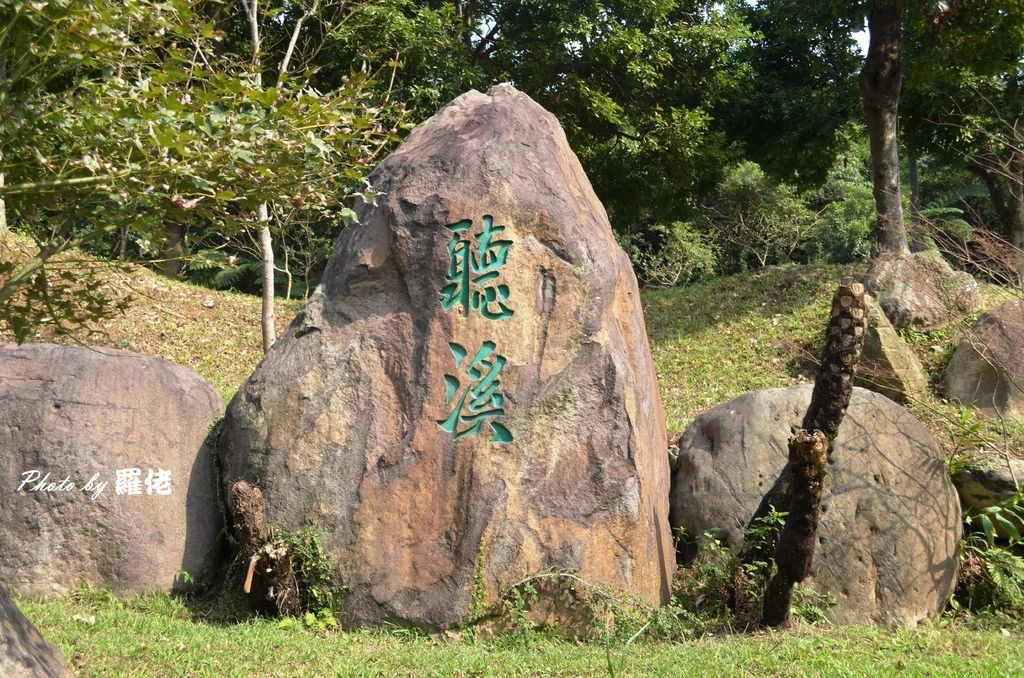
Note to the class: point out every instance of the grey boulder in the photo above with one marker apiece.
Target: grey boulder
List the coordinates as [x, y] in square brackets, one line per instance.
[74, 417]
[922, 291]
[890, 523]
[987, 368]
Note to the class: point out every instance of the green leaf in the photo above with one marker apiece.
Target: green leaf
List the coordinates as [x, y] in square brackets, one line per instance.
[986, 525]
[1007, 526]
[349, 216]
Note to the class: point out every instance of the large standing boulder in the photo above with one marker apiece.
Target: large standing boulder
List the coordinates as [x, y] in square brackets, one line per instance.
[469, 397]
[887, 365]
[890, 520]
[922, 291]
[75, 417]
[24, 653]
[987, 369]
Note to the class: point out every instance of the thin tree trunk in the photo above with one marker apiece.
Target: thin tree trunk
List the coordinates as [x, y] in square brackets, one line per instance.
[880, 86]
[262, 212]
[267, 247]
[1005, 185]
[287, 269]
[172, 251]
[1016, 221]
[3, 206]
[809, 448]
[915, 189]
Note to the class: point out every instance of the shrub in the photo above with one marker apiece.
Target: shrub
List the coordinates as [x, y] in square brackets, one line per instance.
[670, 255]
[846, 205]
[756, 221]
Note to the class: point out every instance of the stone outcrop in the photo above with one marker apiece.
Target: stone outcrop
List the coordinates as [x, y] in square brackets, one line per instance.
[24, 653]
[890, 521]
[469, 397]
[75, 417]
[987, 368]
[922, 291]
[993, 481]
[888, 366]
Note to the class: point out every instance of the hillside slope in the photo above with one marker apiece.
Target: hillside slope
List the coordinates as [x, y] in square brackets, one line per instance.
[710, 341]
[216, 333]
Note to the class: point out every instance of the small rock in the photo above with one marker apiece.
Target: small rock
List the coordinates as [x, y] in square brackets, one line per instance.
[993, 482]
[24, 653]
[888, 366]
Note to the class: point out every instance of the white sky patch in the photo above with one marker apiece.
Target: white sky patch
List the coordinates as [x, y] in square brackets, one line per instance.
[861, 37]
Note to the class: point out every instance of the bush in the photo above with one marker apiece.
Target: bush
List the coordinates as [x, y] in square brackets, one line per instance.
[756, 221]
[846, 205]
[669, 255]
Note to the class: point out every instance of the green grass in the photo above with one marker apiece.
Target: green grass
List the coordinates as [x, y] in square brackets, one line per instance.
[156, 636]
[714, 341]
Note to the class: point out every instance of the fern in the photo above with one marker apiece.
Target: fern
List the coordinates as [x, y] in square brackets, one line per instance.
[992, 570]
[229, 278]
[956, 197]
[1006, 573]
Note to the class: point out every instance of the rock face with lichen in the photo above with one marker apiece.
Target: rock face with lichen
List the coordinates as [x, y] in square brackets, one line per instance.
[469, 397]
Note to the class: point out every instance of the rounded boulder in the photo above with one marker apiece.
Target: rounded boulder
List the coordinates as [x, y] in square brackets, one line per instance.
[106, 476]
[890, 523]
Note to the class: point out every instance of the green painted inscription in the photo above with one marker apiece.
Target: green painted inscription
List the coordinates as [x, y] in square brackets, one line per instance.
[480, 400]
[473, 269]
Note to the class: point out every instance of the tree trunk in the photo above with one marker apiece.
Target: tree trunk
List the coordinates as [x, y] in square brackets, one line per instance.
[172, 251]
[880, 81]
[809, 448]
[3, 206]
[915, 189]
[1005, 184]
[267, 247]
[122, 244]
[263, 211]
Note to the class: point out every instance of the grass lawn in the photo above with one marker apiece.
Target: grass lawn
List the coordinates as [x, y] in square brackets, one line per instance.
[158, 636]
